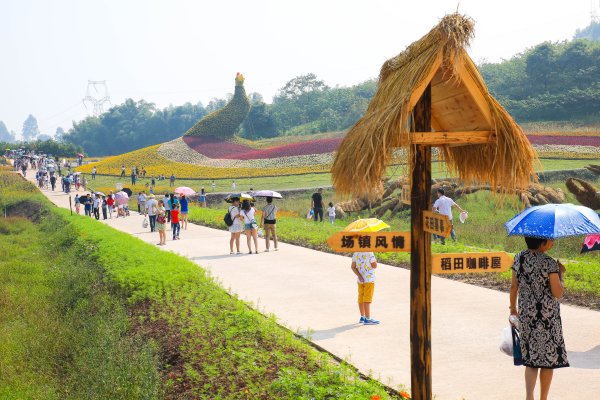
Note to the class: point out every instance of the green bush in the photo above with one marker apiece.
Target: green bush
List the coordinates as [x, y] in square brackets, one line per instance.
[224, 123]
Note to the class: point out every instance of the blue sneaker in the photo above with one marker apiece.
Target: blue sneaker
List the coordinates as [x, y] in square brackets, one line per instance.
[362, 320]
[371, 321]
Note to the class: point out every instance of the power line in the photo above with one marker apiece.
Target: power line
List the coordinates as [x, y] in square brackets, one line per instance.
[95, 97]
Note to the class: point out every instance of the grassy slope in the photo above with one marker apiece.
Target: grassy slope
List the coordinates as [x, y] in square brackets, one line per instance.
[64, 332]
[223, 348]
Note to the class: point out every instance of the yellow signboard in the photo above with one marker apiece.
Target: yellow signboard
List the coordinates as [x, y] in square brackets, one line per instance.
[370, 241]
[436, 223]
[405, 195]
[468, 263]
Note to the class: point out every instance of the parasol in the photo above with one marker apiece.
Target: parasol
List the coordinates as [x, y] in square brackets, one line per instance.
[591, 243]
[121, 198]
[366, 225]
[185, 191]
[100, 194]
[268, 193]
[241, 196]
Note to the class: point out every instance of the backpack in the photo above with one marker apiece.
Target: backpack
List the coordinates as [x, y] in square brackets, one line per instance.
[227, 219]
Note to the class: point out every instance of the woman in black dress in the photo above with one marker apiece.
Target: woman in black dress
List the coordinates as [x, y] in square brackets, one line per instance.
[537, 279]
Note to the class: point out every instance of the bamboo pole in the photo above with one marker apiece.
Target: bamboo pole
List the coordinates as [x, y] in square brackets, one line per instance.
[420, 257]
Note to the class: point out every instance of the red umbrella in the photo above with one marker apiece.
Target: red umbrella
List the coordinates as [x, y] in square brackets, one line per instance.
[591, 243]
[80, 155]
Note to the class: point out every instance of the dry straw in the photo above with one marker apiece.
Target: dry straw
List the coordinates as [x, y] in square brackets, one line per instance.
[368, 148]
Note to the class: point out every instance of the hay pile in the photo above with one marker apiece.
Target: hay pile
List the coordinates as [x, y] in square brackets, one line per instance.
[368, 147]
[584, 192]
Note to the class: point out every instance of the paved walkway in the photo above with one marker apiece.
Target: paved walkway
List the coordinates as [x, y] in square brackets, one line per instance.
[314, 293]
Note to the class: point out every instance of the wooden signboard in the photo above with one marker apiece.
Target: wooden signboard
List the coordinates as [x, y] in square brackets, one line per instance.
[349, 242]
[468, 263]
[405, 195]
[436, 223]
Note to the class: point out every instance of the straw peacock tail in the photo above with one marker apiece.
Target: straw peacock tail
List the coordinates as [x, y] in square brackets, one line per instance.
[499, 153]
[225, 122]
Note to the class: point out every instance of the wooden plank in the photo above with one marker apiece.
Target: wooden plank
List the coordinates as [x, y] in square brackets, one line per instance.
[469, 263]
[419, 90]
[436, 223]
[349, 242]
[420, 257]
[453, 138]
[475, 93]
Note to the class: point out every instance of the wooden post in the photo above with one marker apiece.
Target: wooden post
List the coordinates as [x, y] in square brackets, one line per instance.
[420, 257]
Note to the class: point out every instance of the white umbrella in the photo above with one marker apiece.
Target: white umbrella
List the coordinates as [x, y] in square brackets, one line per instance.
[268, 193]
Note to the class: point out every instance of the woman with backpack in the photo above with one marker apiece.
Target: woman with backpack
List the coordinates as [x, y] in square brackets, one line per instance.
[248, 214]
[236, 227]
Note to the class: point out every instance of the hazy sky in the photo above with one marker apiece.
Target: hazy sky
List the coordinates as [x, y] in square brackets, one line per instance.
[174, 51]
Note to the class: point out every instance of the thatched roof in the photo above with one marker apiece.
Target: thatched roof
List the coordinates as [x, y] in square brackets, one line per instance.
[460, 103]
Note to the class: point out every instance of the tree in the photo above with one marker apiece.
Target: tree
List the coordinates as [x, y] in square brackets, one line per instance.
[5, 135]
[30, 128]
[541, 66]
[259, 123]
[591, 32]
[301, 85]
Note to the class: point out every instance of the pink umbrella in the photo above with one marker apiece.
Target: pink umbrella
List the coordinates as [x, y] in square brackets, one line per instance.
[591, 243]
[121, 198]
[185, 191]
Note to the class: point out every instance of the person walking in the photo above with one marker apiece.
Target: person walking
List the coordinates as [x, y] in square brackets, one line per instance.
[172, 202]
[133, 177]
[317, 205]
[248, 214]
[363, 265]
[122, 171]
[269, 221]
[87, 205]
[443, 205]
[110, 202]
[236, 228]
[141, 200]
[233, 186]
[84, 183]
[53, 181]
[331, 213]
[537, 283]
[183, 201]
[104, 207]
[167, 207]
[77, 204]
[172, 180]
[97, 203]
[151, 209]
[212, 186]
[94, 170]
[161, 223]
[175, 221]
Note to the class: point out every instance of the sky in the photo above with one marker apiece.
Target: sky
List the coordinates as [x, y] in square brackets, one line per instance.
[177, 51]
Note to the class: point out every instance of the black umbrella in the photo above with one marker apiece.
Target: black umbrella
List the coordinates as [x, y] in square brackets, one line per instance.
[128, 191]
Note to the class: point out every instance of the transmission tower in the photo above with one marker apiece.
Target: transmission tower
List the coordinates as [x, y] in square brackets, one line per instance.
[594, 10]
[95, 97]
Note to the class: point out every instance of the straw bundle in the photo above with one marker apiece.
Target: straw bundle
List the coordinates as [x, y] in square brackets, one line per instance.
[362, 157]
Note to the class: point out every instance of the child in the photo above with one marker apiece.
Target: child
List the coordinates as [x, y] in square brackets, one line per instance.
[175, 221]
[331, 213]
[363, 266]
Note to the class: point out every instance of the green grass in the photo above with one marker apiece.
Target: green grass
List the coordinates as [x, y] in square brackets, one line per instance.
[64, 331]
[220, 347]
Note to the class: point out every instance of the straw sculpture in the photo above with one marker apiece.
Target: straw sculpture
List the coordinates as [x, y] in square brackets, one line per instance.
[368, 147]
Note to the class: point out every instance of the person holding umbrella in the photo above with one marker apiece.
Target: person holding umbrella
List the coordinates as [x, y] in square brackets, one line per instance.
[248, 215]
[236, 228]
[538, 283]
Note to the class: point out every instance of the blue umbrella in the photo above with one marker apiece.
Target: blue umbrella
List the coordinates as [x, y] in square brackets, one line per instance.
[553, 221]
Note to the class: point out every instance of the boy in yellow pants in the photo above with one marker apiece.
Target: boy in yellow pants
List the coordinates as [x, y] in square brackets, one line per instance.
[363, 266]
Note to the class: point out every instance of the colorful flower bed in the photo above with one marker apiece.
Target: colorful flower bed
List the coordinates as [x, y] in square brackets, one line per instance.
[215, 148]
[156, 164]
[565, 140]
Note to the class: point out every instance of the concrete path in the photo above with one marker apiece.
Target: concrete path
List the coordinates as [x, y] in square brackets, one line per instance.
[315, 293]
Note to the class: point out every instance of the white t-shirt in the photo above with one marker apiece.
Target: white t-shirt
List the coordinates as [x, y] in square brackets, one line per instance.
[234, 212]
[331, 211]
[141, 198]
[363, 264]
[248, 215]
[444, 205]
[166, 203]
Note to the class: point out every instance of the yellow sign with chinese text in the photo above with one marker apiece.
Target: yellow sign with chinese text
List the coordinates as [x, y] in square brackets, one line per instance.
[369, 241]
[468, 263]
[437, 223]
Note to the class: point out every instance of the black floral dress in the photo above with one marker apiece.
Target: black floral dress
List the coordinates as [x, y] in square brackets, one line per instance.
[542, 342]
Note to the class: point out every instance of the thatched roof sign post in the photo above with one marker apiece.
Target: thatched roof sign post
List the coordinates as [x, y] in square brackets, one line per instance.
[432, 95]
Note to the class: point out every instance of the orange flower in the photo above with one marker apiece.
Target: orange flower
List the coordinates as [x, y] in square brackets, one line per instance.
[405, 395]
[375, 397]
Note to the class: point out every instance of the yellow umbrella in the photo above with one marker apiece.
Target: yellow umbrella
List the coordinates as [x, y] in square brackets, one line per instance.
[366, 225]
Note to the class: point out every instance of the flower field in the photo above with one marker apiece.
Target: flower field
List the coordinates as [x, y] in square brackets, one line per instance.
[579, 140]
